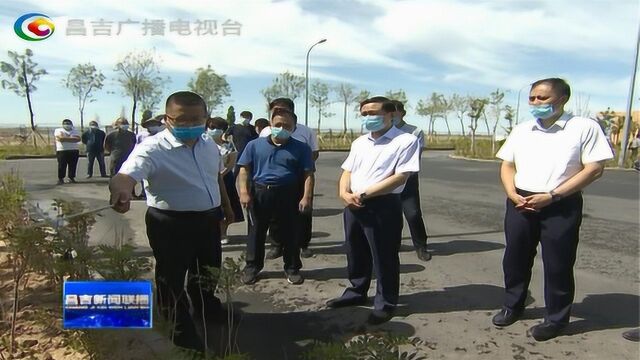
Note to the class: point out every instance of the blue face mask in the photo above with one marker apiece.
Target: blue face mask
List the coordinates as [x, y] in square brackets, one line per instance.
[187, 133]
[373, 122]
[280, 133]
[542, 111]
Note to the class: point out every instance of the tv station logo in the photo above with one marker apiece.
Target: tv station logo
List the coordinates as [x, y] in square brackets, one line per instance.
[34, 27]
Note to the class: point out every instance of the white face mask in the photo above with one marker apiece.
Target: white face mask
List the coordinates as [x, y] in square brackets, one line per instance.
[67, 127]
[93, 126]
[155, 129]
[124, 127]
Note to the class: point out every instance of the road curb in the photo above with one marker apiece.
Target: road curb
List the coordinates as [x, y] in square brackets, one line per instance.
[457, 157]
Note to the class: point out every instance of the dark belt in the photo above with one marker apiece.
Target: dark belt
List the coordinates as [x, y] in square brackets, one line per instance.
[211, 211]
[259, 186]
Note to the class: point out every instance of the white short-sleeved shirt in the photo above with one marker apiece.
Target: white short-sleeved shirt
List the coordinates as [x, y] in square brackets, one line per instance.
[546, 158]
[61, 146]
[301, 133]
[176, 176]
[373, 160]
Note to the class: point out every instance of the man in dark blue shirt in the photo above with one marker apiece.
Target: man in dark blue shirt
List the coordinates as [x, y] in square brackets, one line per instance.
[272, 171]
[94, 141]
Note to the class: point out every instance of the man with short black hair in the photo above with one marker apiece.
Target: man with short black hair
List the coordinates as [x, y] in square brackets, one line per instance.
[67, 150]
[94, 142]
[546, 162]
[186, 202]
[272, 171]
[307, 136]
[240, 134]
[411, 193]
[260, 124]
[372, 180]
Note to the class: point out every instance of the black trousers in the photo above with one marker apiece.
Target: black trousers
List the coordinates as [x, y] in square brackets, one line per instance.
[412, 212]
[556, 227]
[303, 231]
[115, 163]
[279, 203]
[184, 244]
[91, 157]
[373, 235]
[67, 161]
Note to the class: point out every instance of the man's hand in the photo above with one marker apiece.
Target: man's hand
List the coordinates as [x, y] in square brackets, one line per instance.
[245, 200]
[538, 201]
[121, 187]
[351, 200]
[305, 205]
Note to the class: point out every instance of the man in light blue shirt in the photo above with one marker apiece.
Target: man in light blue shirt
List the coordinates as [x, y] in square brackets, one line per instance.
[187, 200]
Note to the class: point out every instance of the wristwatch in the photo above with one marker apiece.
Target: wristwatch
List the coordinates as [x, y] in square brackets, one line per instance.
[554, 196]
[363, 196]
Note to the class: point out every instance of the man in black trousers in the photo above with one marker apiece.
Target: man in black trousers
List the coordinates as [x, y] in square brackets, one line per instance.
[546, 163]
[372, 180]
[273, 169]
[411, 193]
[93, 139]
[186, 202]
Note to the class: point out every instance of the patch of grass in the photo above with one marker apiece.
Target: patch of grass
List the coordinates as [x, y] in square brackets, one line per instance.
[10, 150]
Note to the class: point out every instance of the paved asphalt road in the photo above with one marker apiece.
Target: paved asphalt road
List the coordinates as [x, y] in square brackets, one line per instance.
[466, 192]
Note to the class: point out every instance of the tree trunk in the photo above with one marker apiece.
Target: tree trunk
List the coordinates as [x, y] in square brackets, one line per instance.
[446, 122]
[464, 132]
[344, 120]
[28, 94]
[133, 115]
[319, 118]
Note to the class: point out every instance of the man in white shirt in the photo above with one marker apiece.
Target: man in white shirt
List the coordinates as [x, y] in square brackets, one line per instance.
[411, 193]
[373, 177]
[67, 150]
[307, 136]
[546, 163]
[186, 203]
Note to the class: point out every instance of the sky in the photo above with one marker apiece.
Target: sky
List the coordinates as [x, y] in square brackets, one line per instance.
[469, 47]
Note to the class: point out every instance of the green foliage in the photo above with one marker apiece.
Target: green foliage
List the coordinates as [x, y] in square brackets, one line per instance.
[231, 116]
[483, 148]
[319, 98]
[119, 261]
[211, 86]
[12, 197]
[399, 95]
[21, 73]
[368, 347]
[82, 80]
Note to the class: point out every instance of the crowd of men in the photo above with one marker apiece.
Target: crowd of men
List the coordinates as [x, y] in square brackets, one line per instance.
[200, 175]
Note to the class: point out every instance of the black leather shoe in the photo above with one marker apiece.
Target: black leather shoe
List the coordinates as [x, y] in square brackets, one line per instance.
[423, 254]
[546, 331]
[343, 302]
[274, 253]
[506, 317]
[249, 276]
[632, 335]
[306, 253]
[380, 316]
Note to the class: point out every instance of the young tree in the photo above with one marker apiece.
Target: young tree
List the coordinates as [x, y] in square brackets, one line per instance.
[270, 93]
[231, 116]
[289, 85]
[211, 86]
[21, 76]
[477, 110]
[319, 97]
[510, 116]
[82, 80]
[433, 108]
[460, 105]
[495, 100]
[346, 94]
[140, 79]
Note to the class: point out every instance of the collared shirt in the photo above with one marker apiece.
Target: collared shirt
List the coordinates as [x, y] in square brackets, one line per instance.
[120, 143]
[301, 133]
[62, 146]
[373, 160]
[273, 164]
[178, 177]
[94, 139]
[546, 158]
